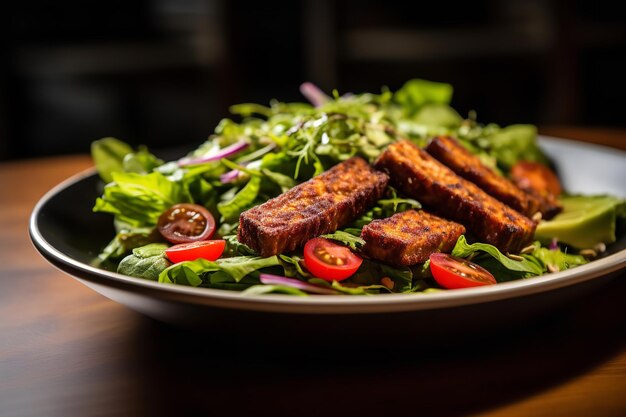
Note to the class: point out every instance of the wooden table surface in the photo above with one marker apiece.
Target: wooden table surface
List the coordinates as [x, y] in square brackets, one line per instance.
[67, 351]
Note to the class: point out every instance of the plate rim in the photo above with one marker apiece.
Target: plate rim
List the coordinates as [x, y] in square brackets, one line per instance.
[321, 304]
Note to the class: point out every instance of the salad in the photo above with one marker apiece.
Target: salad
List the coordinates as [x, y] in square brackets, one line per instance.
[176, 221]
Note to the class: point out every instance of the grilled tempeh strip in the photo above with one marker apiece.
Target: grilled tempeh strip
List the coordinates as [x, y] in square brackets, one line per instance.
[467, 165]
[320, 205]
[541, 182]
[410, 237]
[419, 175]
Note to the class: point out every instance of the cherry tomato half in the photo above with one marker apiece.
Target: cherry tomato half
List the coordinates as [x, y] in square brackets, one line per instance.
[206, 249]
[329, 261]
[184, 223]
[452, 272]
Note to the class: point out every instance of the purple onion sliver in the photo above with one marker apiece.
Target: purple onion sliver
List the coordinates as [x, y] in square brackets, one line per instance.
[229, 176]
[313, 94]
[554, 245]
[270, 279]
[222, 153]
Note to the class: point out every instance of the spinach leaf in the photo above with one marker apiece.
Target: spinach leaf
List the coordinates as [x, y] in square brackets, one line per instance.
[126, 240]
[145, 262]
[240, 266]
[393, 279]
[292, 266]
[235, 247]
[285, 182]
[200, 271]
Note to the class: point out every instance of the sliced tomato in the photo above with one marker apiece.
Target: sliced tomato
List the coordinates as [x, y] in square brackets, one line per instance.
[183, 223]
[205, 249]
[329, 261]
[452, 272]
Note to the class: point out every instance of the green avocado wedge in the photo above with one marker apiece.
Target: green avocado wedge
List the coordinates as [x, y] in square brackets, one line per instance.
[584, 222]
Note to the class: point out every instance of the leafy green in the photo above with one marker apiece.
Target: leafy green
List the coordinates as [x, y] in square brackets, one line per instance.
[233, 269]
[537, 262]
[283, 181]
[126, 240]
[108, 156]
[528, 265]
[416, 93]
[556, 259]
[274, 289]
[353, 242]
[113, 155]
[235, 247]
[288, 143]
[140, 162]
[145, 262]
[371, 273]
[244, 199]
[386, 208]
[511, 144]
[292, 266]
[438, 116]
[139, 199]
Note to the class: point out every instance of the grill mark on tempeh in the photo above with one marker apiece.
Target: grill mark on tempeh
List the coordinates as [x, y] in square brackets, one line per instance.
[455, 156]
[419, 175]
[318, 206]
[410, 237]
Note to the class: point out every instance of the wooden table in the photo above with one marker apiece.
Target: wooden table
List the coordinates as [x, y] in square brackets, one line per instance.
[67, 351]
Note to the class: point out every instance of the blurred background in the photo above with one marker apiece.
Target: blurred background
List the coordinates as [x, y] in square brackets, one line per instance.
[164, 72]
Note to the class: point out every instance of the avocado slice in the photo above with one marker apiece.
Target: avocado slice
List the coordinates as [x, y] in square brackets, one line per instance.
[584, 222]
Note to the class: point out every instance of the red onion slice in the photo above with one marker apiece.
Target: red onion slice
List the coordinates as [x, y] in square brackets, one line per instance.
[229, 176]
[270, 279]
[216, 156]
[313, 93]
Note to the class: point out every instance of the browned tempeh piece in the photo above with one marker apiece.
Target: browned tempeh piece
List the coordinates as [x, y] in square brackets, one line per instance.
[419, 175]
[456, 157]
[320, 205]
[541, 182]
[410, 237]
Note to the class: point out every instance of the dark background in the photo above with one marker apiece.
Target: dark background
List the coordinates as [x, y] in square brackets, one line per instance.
[163, 72]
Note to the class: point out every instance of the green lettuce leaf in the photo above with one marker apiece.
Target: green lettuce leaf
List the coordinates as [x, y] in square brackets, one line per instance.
[139, 200]
[140, 162]
[512, 144]
[108, 156]
[416, 93]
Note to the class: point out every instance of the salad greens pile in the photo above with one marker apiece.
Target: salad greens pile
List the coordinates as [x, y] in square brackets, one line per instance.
[270, 149]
